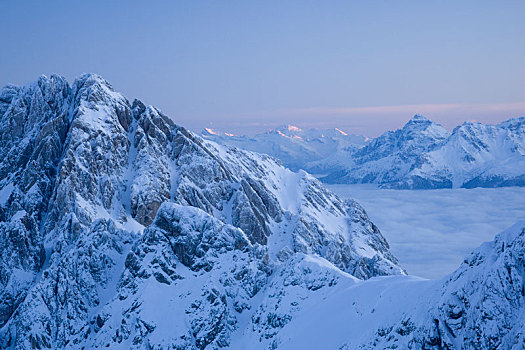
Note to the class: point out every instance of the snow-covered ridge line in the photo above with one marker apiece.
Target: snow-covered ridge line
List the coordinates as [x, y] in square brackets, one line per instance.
[420, 155]
[314, 150]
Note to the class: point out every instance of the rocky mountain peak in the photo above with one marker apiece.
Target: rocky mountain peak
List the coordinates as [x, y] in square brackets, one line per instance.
[418, 118]
[426, 127]
[85, 182]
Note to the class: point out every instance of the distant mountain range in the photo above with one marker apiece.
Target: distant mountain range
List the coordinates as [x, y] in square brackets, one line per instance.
[421, 155]
[314, 150]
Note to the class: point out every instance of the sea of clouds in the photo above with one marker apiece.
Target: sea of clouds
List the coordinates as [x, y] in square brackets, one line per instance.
[432, 231]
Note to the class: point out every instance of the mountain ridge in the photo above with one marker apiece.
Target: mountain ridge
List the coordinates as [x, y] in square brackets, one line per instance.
[420, 155]
[296, 147]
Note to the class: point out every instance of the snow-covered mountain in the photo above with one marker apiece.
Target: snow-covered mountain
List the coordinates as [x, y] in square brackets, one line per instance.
[424, 155]
[317, 151]
[420, 155]
[475, 155]
[122, 230]
[83, 172]
[391, 156]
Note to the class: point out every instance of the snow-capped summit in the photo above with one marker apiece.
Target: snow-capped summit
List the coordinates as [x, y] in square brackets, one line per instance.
[423, 154]
[418, 118]
[392, 155]
[209, 131]
[287, 129]
[425, 130]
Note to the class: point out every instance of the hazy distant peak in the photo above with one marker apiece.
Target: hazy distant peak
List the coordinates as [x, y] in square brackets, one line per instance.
[418, 120]
[209, 131]
[419, 117]
[286, 130]
[424, 126]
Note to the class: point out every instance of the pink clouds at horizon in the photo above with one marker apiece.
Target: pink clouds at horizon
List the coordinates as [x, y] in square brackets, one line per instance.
[369, 121]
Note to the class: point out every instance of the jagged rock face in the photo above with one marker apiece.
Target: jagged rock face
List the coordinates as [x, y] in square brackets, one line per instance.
[34, 127]
[57, 311]
[95, 154]
[201, 271]
[497, 268]
[152, 183]
[72, 156]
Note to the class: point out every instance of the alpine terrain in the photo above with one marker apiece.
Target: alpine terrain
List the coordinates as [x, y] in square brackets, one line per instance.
[120, 229]
[314, 150]
[424, 155]
[421, 155]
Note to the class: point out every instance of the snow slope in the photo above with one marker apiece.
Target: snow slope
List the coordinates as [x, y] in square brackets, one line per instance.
[479, 306]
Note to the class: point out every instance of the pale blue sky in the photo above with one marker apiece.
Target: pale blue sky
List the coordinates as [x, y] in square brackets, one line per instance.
[243, 66]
